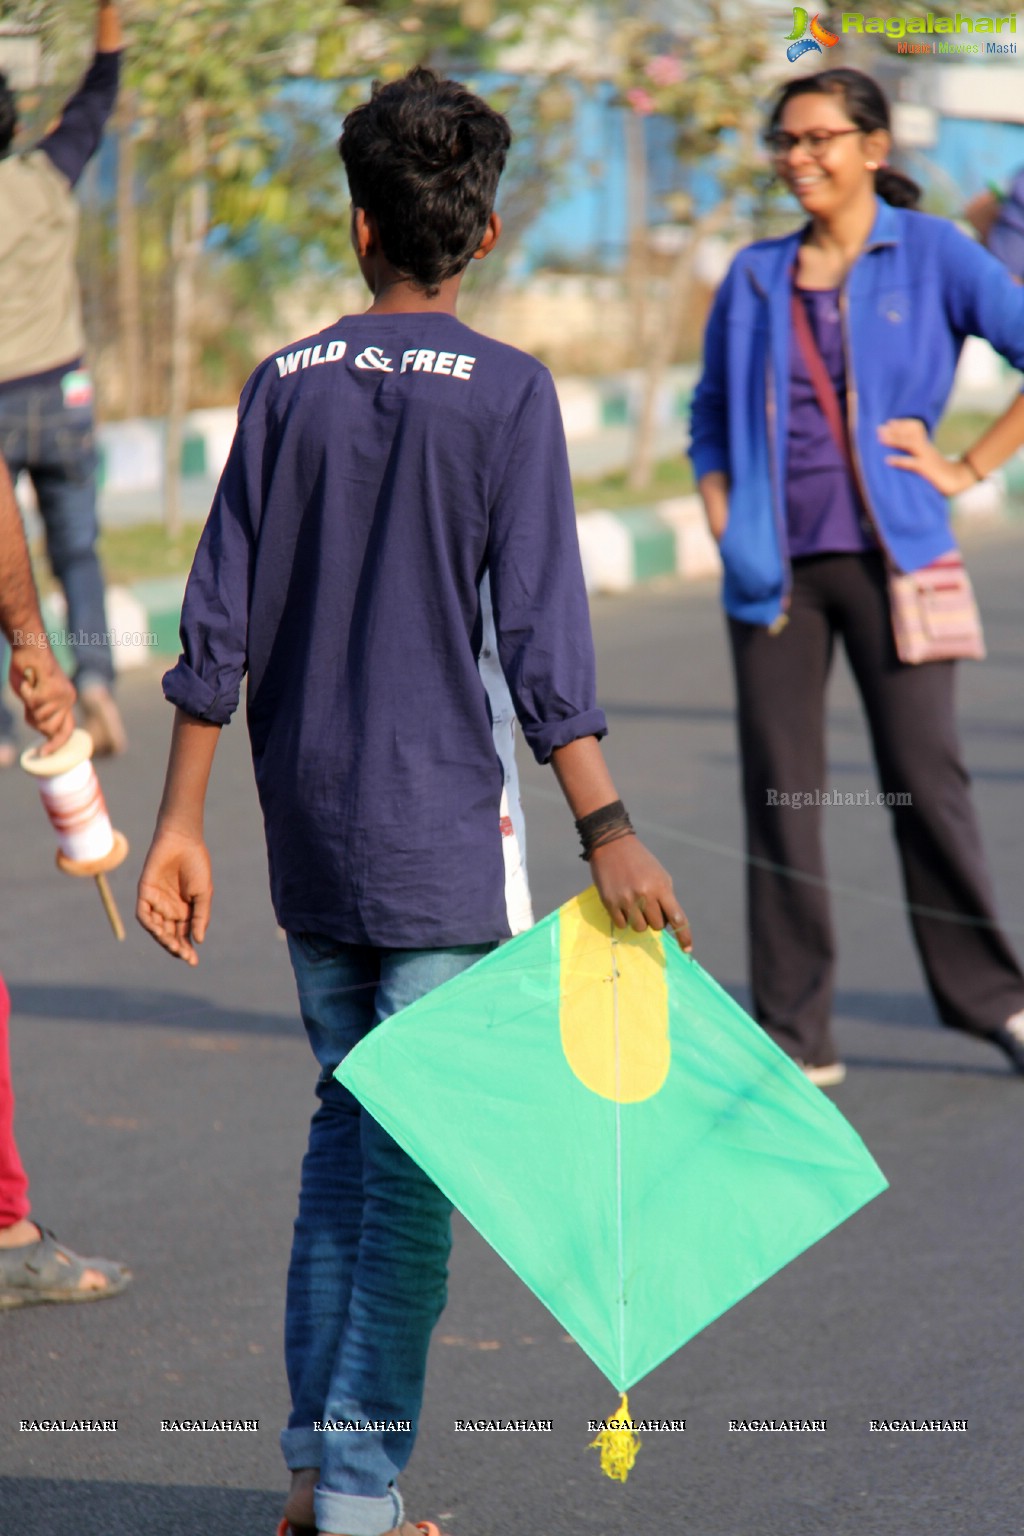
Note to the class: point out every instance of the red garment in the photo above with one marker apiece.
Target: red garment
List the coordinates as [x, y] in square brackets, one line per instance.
[14, 1201]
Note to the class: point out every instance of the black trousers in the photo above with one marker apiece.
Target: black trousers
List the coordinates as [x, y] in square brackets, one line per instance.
[972, 972]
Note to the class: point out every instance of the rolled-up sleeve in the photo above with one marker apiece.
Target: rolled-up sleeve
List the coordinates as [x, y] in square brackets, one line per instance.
[541, 614]
[207, 679]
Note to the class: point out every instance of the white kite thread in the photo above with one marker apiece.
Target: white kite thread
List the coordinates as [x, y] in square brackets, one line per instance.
[75, 805]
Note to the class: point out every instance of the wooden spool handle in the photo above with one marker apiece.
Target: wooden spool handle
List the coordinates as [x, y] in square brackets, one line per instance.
[110, 907]
[99, 869]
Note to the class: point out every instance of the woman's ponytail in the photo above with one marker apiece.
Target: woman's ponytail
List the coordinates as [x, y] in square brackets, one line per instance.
[895, 188]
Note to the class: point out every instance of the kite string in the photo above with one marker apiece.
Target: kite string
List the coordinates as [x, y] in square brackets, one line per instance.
[618, 1160]
[833, 887]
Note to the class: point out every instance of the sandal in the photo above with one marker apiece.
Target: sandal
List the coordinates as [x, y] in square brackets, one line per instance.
[421, 1528]
[301, 1520]
[47, 1271]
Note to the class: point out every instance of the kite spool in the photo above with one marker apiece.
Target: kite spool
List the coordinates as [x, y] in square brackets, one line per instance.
[71, 794]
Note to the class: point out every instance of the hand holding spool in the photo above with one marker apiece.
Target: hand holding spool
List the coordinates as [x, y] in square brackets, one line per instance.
[74, 802]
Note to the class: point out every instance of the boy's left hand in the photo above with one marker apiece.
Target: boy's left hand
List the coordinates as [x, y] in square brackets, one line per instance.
[175, 892]
[910, 436]
[637, 890]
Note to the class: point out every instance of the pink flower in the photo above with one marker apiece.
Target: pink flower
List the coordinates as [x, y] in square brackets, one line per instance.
[641, 101]
[664, 70]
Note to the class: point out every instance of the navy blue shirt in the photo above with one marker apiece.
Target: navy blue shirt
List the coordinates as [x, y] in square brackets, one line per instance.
[823, 512]
[382, 471]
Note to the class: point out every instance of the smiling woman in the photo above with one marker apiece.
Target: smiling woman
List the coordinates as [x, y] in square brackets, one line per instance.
[812, 446]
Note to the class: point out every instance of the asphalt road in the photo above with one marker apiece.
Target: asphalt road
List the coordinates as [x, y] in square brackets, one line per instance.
[162, 1118]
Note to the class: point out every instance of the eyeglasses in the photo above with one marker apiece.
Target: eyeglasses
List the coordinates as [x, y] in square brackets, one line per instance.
[816, 141]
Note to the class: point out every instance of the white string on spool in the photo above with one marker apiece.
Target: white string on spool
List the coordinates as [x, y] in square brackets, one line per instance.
[74, 803]
[73, 799]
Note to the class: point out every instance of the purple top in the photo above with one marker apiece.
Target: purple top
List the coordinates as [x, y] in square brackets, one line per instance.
[823, 510]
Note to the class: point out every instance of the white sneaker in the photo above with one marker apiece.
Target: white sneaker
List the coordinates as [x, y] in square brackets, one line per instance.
[1011, 1039]
[828, 1076]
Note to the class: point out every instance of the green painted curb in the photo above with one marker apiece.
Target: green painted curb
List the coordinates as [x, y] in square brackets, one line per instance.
[161, 599]
[654, 543]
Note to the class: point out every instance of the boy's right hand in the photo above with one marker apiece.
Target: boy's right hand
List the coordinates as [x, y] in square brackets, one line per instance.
[637, 889]
[175, 892]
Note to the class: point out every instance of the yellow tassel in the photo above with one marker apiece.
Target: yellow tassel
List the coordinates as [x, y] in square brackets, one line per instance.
[618, 1444]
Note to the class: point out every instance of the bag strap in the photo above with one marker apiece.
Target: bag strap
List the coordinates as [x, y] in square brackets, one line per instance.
[824, 389]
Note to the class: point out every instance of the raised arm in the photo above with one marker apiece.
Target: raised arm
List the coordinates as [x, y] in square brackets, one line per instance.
[79, 131]
[109, 36]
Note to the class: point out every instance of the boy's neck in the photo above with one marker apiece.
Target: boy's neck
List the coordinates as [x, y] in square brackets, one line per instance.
[400, 297]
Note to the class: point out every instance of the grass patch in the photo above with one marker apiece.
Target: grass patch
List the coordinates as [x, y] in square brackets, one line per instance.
[672, 477]
[144, 552]
[958, 433]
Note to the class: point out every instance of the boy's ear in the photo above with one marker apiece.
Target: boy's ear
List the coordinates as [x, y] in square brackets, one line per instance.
[492, 235]
[364, 232]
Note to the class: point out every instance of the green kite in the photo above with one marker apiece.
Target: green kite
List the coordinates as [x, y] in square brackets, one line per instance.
[617, 1128]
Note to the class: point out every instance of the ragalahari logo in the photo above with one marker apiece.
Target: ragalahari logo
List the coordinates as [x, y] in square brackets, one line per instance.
[799, 43]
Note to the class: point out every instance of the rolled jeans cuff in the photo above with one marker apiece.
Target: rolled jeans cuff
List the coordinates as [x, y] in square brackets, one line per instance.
[301, 1448]
[347, 1514]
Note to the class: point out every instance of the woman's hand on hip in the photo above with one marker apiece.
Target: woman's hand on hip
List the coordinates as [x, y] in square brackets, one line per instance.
[919, 454]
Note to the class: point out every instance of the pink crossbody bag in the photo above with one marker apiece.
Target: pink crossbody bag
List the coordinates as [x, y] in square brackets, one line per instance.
[934, 613]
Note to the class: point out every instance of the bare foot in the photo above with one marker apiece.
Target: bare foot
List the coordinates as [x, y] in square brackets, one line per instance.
[298, 1507]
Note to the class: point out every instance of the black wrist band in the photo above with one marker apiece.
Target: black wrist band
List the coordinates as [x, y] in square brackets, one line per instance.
[608, 837]
[602, 825]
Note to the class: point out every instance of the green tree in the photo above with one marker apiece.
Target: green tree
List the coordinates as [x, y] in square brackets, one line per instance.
[221, 184]
[706, 76]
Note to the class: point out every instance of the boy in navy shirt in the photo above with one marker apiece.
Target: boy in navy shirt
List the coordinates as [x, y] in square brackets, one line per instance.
[396, 510]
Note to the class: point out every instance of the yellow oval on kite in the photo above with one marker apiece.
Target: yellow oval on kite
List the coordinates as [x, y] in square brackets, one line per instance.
[613, 1003]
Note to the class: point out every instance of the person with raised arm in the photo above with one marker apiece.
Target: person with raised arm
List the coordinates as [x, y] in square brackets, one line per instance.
[46, 398]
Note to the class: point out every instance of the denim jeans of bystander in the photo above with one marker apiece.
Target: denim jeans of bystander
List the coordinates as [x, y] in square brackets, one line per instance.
[55, 444]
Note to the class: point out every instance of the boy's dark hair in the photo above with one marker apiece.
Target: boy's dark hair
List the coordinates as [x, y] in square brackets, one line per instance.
[423, 156]
[8, 115]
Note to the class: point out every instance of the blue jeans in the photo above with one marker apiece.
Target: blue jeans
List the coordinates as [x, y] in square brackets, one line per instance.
[55, 443]
[369, 1267]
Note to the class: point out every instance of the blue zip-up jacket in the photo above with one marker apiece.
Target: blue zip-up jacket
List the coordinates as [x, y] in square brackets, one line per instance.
[916, 291]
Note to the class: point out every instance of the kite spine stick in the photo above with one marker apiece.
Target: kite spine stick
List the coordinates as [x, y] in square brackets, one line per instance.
[620, 1236]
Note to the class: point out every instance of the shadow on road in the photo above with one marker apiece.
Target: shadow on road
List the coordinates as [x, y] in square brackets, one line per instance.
[924, 1068]
[43, 1506]
[136, 1005]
